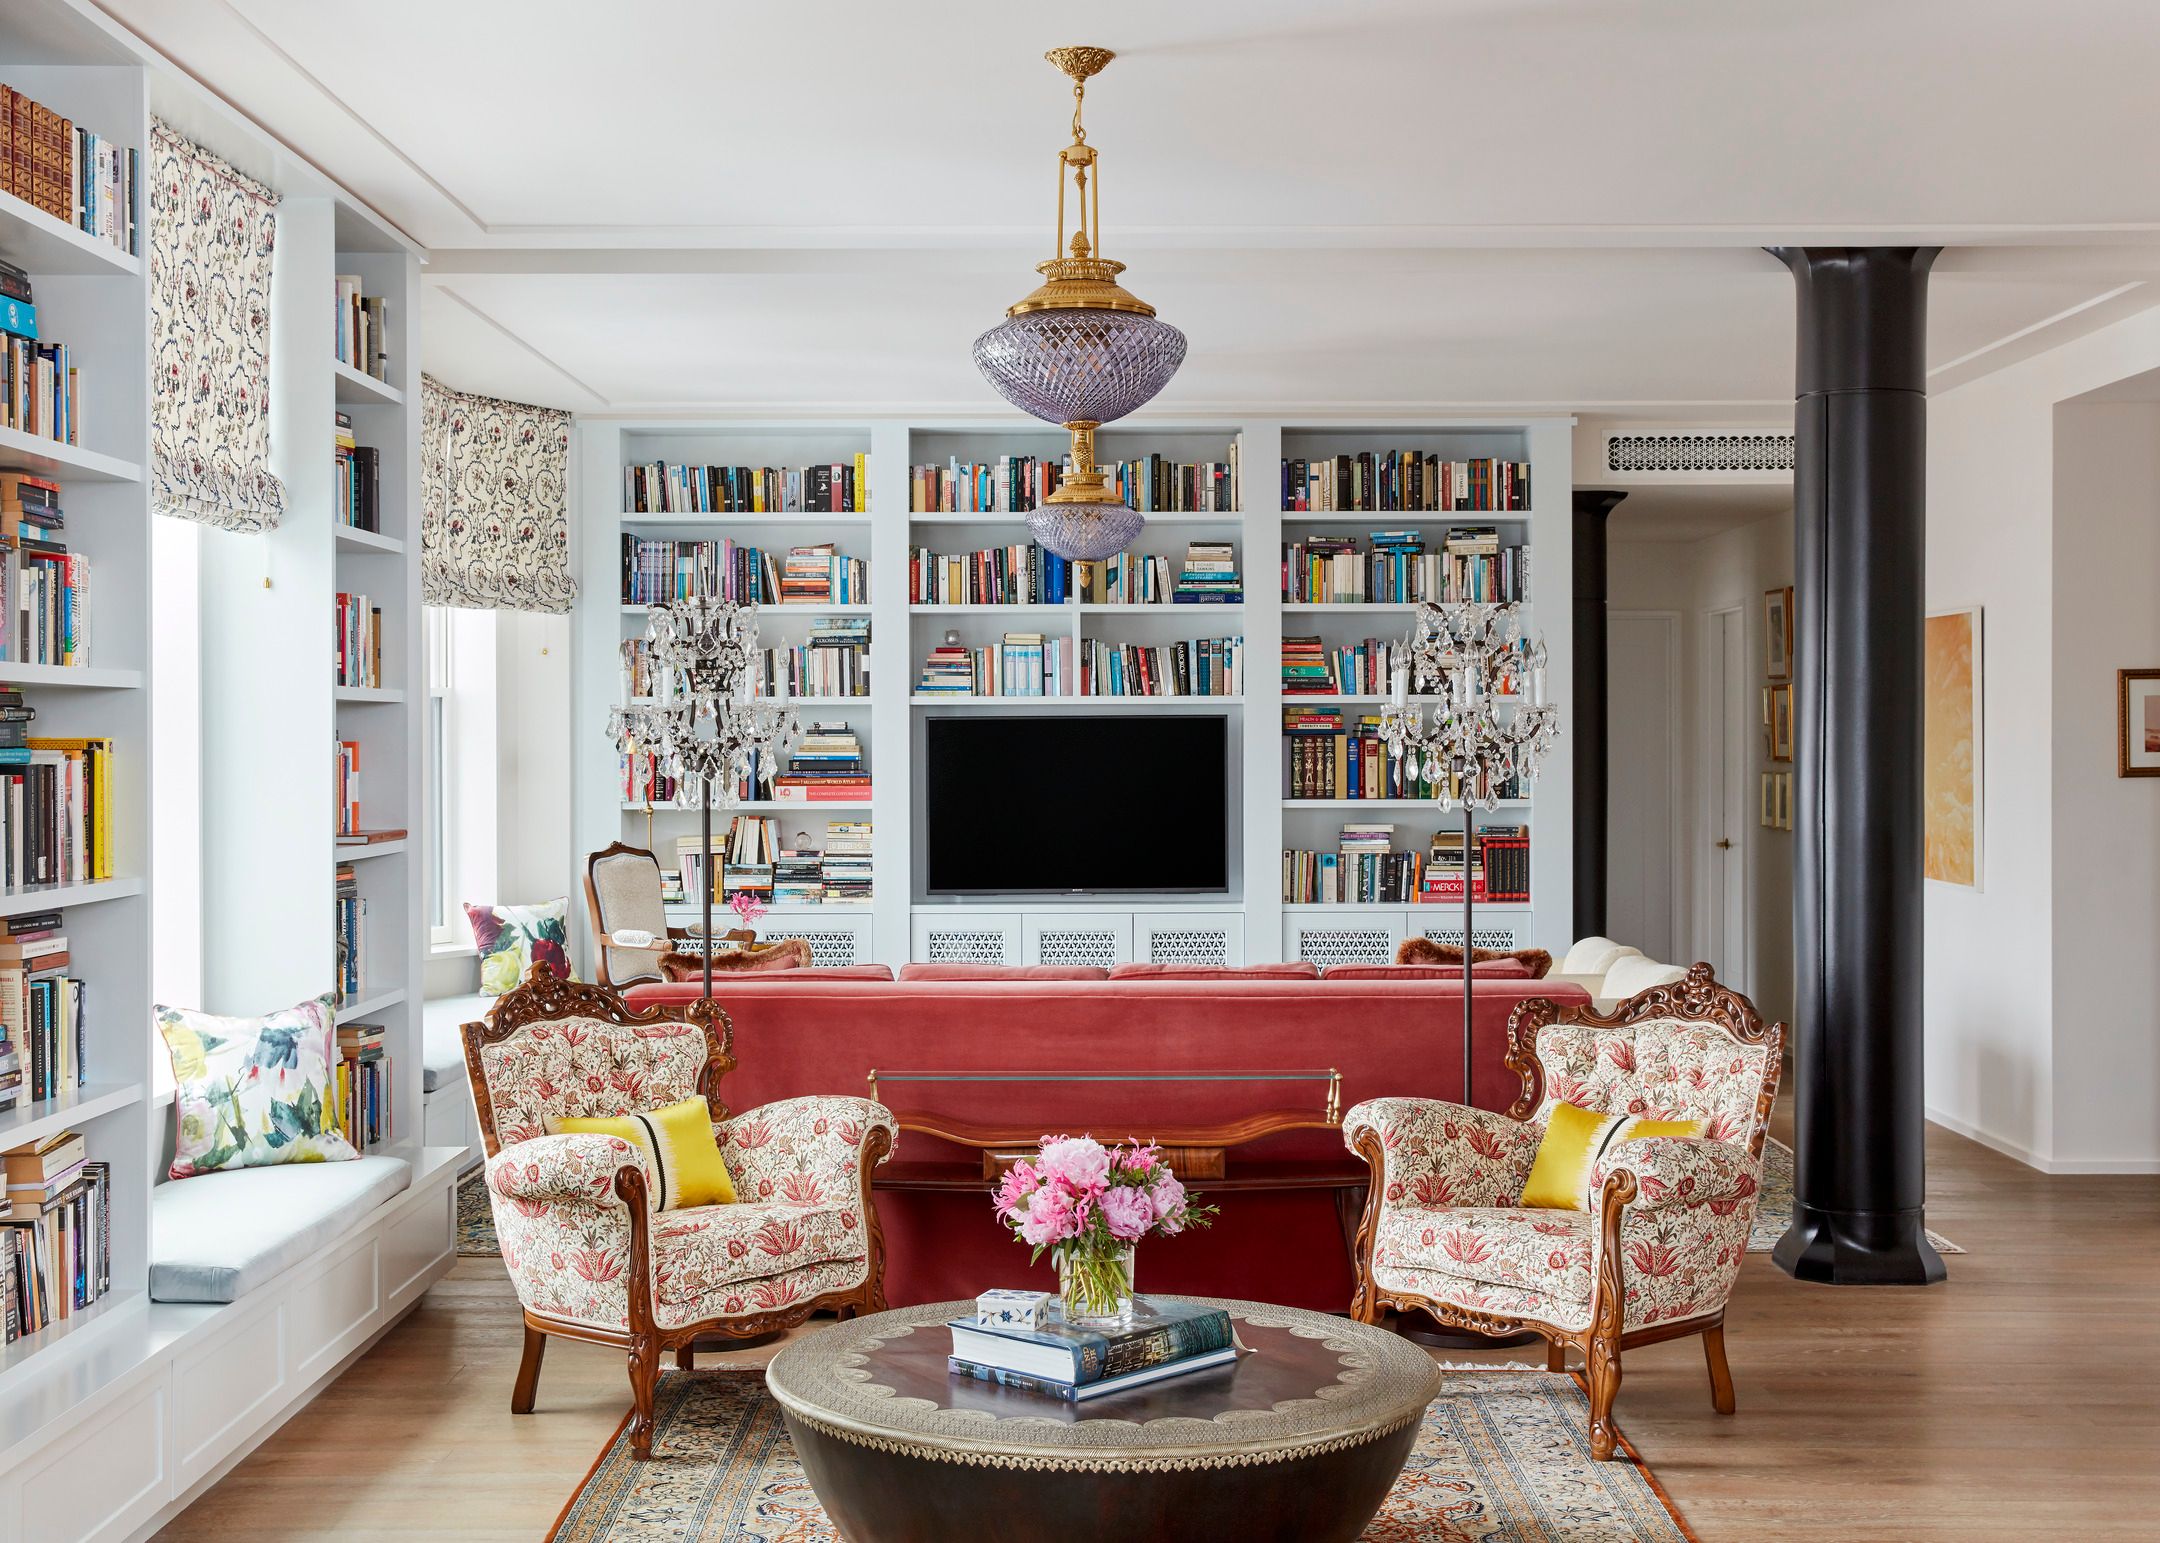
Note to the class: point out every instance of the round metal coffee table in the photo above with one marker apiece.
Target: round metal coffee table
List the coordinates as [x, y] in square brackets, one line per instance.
[1298, 1441]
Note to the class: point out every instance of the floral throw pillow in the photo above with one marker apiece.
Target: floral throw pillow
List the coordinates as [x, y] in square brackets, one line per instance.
[253, 1092]
[514, 938]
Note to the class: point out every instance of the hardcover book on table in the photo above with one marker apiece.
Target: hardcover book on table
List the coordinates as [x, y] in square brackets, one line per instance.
[1161, 1333]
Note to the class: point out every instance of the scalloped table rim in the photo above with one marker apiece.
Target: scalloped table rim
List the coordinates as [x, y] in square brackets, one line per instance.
[843, 1401]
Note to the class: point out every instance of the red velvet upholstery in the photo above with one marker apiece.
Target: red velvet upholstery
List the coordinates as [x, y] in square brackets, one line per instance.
[1388, 1037]
[953, 972]
[1485, 969]
[1297, 969]
[821, 972]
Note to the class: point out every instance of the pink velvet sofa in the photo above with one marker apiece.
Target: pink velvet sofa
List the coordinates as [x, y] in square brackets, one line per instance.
[946, 1052]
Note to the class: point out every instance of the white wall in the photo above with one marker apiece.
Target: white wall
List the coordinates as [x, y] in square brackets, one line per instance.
[2001, 1064]
[1728, 570]
[532, 738]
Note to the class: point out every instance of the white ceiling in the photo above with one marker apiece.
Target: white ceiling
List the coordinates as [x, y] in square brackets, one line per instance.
[681, 204]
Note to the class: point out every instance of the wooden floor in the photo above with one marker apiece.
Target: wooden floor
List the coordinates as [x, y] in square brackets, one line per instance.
[2019, 1400]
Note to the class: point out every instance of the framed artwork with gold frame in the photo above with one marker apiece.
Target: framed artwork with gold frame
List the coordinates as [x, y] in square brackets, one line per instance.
[1778, 702]
[2137, 727]
[1777, 610]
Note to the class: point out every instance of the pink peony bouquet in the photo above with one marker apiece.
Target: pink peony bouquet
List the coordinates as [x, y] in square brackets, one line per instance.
[1089, 1204]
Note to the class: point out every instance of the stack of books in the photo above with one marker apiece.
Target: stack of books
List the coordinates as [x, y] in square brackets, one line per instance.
[826, 767]
[1021, 664]
[1365, 868]
[56, 1239]
[1201, 667]
[1387, 480]
[1020, 574]
[835, 662]
[1015, 484]
[359, 641]
[655, 570]
[55, 810]
[350, 922]
[44, 588]
[661, 487]
[1062, 1361]
[799, 877]
[364, 1083]
[821, 575]
[363, 328]
[41, 1011]
[847, 862]
[1472, 567]
[1210, 576]
[1364, 668]
[359, 479]
[1499, 866]
[74, 175]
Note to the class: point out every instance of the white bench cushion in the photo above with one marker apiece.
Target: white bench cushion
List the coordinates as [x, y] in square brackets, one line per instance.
[442, 1045]
[218, 1236]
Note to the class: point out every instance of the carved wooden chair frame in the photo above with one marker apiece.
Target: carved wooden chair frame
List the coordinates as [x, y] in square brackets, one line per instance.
[1696, 999]
[599, 928]
[541, 998]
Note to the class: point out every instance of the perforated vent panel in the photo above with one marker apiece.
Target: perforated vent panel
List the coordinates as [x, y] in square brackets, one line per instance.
[828, 949]
[1486, 937]
[958, 945]
[1188, 945]
[1077, 945]
[1345, 945]
[1698, 452]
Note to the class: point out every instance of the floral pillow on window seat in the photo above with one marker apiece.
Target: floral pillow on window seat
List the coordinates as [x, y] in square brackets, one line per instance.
[254, 1092]
[513, 938]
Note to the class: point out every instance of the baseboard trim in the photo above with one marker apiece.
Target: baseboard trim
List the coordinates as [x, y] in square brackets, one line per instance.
[2031, 1159]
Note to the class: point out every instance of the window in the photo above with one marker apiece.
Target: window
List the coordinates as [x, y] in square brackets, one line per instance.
[460, 768]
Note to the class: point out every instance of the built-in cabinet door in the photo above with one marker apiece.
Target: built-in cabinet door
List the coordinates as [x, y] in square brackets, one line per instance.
[1359, 937]
[1485, 934]
[833, 940]
[1078, 937]
[1188, 937]
[966, 937]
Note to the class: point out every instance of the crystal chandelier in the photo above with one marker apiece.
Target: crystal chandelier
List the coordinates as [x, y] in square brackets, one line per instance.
[1490, 727]
[1080, 350]
[704, 727]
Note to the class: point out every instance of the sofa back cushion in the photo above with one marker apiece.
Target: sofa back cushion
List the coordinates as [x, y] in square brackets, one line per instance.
[1593, 956]
[1298, 969]
[585, 1068]
[951, 972]
[1484, 969]
[1659, 1068]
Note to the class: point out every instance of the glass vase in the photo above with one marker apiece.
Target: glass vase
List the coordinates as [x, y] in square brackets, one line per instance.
[1095, 1288]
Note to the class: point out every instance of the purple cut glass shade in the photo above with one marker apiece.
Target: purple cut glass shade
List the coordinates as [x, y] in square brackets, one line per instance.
[1087, 366]
[1084, 532]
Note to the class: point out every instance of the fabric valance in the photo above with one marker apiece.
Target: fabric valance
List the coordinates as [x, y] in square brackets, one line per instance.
[495, 529]
[213, 230]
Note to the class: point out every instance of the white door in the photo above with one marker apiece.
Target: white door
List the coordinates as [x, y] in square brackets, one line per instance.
[1643, 704]
[1727, 747]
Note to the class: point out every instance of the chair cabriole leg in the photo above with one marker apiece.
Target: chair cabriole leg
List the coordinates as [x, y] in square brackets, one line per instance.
[528, 1372]
[1721, 1389]
[1555, 1356]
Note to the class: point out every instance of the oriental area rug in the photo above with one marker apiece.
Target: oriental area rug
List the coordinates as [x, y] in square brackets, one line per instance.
[1504, 1457]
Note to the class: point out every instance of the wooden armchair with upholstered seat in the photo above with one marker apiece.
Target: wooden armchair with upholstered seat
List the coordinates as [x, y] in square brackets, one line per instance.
[1652, 1257]
[590, 1250]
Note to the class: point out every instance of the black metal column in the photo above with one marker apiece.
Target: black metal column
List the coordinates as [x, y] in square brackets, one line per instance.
[1859, 497]
[1593, 748]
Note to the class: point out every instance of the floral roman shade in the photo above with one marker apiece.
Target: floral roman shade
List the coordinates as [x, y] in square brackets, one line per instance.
[213, 229]
[495, 532]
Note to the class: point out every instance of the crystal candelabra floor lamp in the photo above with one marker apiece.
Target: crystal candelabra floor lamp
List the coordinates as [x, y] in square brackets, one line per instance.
[1489, 729]
[704, 727]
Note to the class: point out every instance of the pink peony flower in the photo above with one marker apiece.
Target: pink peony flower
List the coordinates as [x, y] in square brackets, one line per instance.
[1077, 1162]
[1167, 1196]
[1128, 1213]
[1050, 1217]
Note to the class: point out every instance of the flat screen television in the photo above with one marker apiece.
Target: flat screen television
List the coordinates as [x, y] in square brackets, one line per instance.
[1077, 803]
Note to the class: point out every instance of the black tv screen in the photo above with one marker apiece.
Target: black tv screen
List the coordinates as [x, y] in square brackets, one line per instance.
[1077, 803]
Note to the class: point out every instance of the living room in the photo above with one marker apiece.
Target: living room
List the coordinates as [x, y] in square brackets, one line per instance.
[1438, 825]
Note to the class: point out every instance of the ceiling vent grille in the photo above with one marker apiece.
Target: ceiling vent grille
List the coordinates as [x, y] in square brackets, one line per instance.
[1707, 453]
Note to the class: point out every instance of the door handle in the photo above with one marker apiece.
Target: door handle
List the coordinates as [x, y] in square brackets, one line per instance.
[1724, 844]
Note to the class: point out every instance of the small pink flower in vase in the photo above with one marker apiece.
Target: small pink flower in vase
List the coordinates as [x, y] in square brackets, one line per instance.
[1089, 1204]
[747, 908]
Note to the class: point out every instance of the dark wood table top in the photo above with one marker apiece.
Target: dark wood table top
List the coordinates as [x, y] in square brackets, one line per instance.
[1311, 1382]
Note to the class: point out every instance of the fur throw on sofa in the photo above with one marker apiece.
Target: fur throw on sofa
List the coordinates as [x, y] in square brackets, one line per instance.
[1425, 951]
[788, 954]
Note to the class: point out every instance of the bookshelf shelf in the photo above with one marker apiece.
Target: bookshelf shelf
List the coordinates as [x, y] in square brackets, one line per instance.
[35, 240]
[28, 1122]
[374, 1002]
[51, 458]
[360, 854]
[368, 693]
[357, 388]
[83, 1328]
[78, 677]
[352, 539]
[45, 897]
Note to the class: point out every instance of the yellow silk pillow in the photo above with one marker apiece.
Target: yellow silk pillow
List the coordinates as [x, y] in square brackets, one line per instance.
[682, 1160]
[1560, 1178]
[1640, 1129]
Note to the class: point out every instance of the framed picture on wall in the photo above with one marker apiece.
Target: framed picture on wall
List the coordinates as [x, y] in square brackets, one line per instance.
[1784, 800]
[1777, 608]
[1781, 723]
[1951, 746]
[1769, 799]
[2137, 732]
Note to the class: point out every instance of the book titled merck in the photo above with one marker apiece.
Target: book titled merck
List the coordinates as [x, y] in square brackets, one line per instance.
[1165, 1339]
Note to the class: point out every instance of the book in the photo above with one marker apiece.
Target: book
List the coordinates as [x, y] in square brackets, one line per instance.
[362, 329]
[69, 171]
[1161, 1332]
[655, 570]
[56, 811]
[1072, 1392]
[1396, 567]
[664, 487]
[1020, 664]
[1020, 574]
[368, 838]
[359, 641]
[1017, 484]
[1207, 667]
[1385, 480]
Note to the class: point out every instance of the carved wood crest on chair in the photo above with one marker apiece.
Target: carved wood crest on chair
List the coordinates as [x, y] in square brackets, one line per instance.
[1653, 1258]
[592, 1257]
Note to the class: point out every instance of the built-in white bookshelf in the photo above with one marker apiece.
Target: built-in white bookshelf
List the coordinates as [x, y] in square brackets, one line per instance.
[1248, 919]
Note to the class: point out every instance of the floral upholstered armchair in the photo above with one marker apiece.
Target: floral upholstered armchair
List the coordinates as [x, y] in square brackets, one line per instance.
[1654, 1255]
[592, 1255]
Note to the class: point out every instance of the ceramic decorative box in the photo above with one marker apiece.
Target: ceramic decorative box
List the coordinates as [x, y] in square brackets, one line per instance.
[1013, 1309]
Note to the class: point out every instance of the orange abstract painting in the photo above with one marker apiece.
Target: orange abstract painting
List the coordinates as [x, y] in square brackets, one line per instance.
[1953, 747]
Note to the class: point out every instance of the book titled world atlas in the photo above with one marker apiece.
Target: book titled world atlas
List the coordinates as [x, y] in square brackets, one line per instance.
[1160, 1333]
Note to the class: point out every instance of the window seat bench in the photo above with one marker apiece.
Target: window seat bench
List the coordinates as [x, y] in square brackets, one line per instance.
[219, 1236]
[446, 1106]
